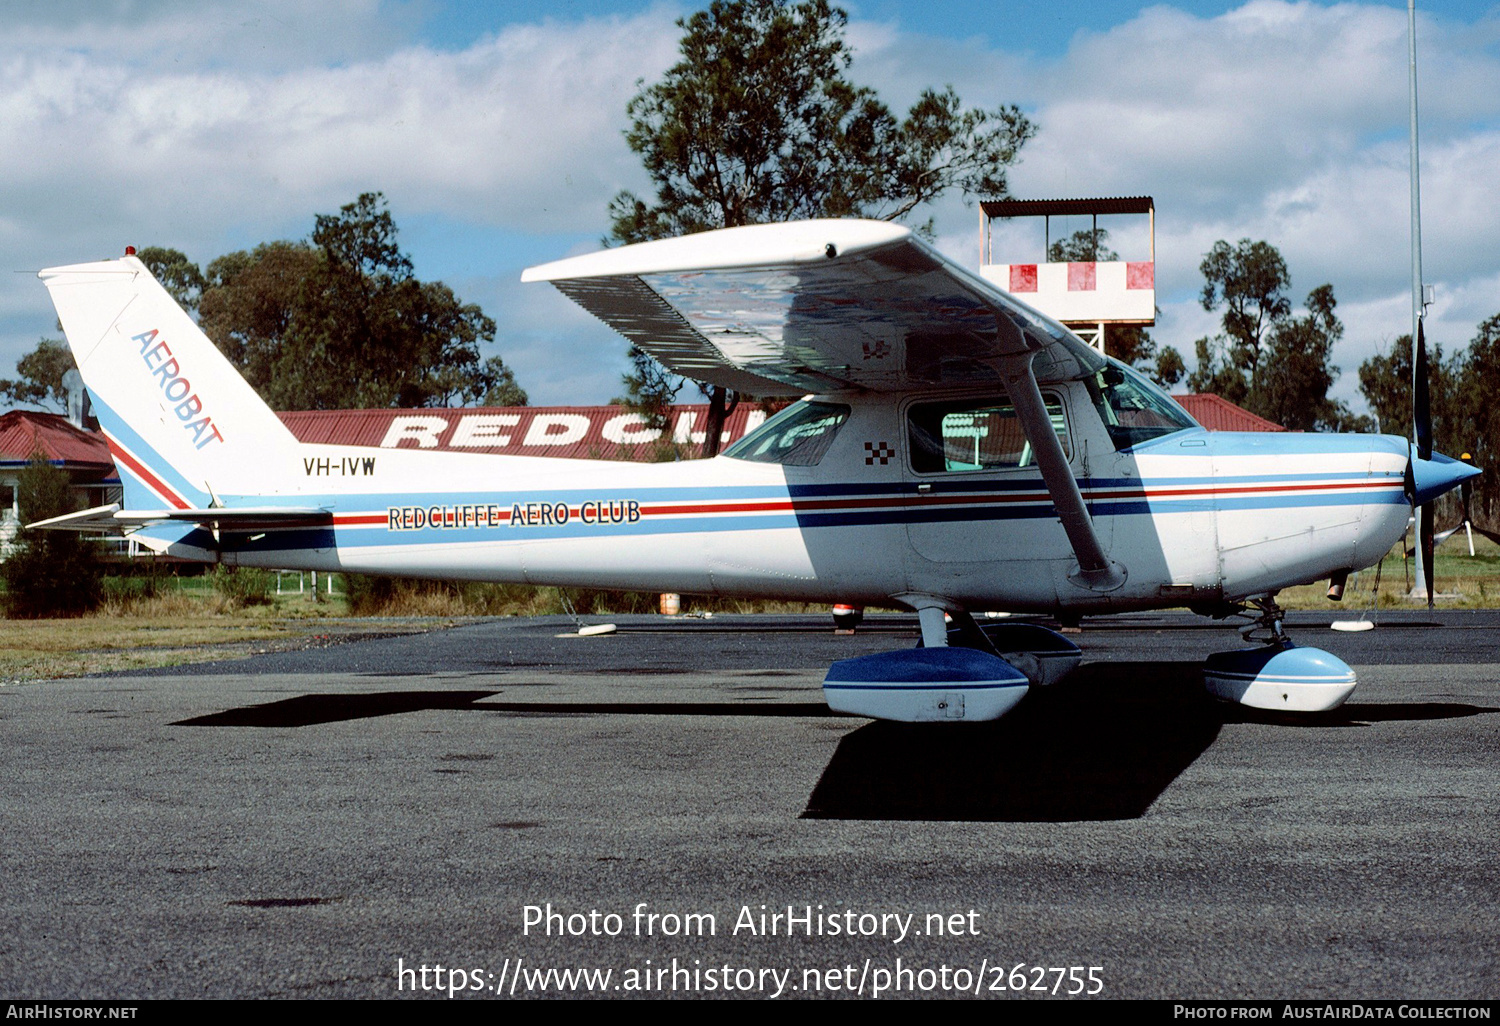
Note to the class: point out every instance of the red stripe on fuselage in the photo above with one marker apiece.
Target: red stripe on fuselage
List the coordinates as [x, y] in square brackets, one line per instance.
[902, 501]
[1237, 490]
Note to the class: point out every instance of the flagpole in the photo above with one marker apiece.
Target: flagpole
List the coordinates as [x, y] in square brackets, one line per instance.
[1419, 588]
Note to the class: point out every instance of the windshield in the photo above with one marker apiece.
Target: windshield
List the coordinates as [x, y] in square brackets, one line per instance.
[798, 436]
[1133, 408]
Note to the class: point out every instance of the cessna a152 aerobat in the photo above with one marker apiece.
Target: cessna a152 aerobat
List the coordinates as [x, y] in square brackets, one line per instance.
[957, 451]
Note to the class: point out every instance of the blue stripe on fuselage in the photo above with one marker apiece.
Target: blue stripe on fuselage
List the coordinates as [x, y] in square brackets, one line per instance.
[372, 502]
[376, 536]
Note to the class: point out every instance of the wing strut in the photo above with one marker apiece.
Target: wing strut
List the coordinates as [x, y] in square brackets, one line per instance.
[1095, 570]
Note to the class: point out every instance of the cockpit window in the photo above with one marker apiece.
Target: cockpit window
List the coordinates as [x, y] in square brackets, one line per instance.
[798, 436]
[1133, 408]
[975, 434]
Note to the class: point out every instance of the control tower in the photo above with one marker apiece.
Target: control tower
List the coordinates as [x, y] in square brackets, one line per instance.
[1084, 295]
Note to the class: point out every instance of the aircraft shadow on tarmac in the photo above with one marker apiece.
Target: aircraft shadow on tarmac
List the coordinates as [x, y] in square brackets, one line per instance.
[1359, 714]
[1101, 746]
[307, 710]
[310, 710]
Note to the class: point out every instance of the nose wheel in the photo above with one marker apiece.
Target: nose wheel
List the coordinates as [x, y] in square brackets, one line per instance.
[1270, 626]
[1277, 674]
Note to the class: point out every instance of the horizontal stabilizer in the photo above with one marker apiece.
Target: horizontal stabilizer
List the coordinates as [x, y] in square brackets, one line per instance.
[98, 520]
[113, 520]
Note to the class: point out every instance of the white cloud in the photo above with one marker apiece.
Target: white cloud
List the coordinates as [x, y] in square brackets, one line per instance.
[100, 147]
[561, 354]
[201, 127]
[269, 35]
[1288, 122]
[1278, 121]
[521, 130]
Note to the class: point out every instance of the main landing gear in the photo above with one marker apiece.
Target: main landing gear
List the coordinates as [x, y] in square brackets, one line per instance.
[1277, 674]
[963, 672]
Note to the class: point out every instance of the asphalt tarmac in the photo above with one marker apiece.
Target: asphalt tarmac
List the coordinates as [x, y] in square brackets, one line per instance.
[327, 823]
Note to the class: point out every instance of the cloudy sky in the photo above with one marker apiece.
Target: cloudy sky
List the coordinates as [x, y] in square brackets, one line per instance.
[495, 132]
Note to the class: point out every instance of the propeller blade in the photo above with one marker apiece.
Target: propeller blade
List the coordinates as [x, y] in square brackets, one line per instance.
[1422, 400]
[1439, 538]
[1425, 530]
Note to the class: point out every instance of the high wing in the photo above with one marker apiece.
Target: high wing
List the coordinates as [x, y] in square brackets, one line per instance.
[815, 306]
[113, 520]
[836, 305]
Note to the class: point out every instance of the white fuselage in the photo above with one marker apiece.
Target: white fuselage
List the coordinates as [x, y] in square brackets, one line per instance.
[1194, 518]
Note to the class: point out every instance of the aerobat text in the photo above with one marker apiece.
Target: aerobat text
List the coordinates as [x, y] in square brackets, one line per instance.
[176, 388]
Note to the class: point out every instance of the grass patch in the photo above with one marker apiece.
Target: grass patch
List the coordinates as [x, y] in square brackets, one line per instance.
[149, 622]
[101, 642]
[171, 621]
[382, 596]
[31, 649]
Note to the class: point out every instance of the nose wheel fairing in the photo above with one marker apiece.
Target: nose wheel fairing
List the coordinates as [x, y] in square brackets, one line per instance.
[1278, 675]
[1281, 677]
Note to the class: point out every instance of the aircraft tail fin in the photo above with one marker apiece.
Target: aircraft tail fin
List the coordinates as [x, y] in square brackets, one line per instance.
[182, 424]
